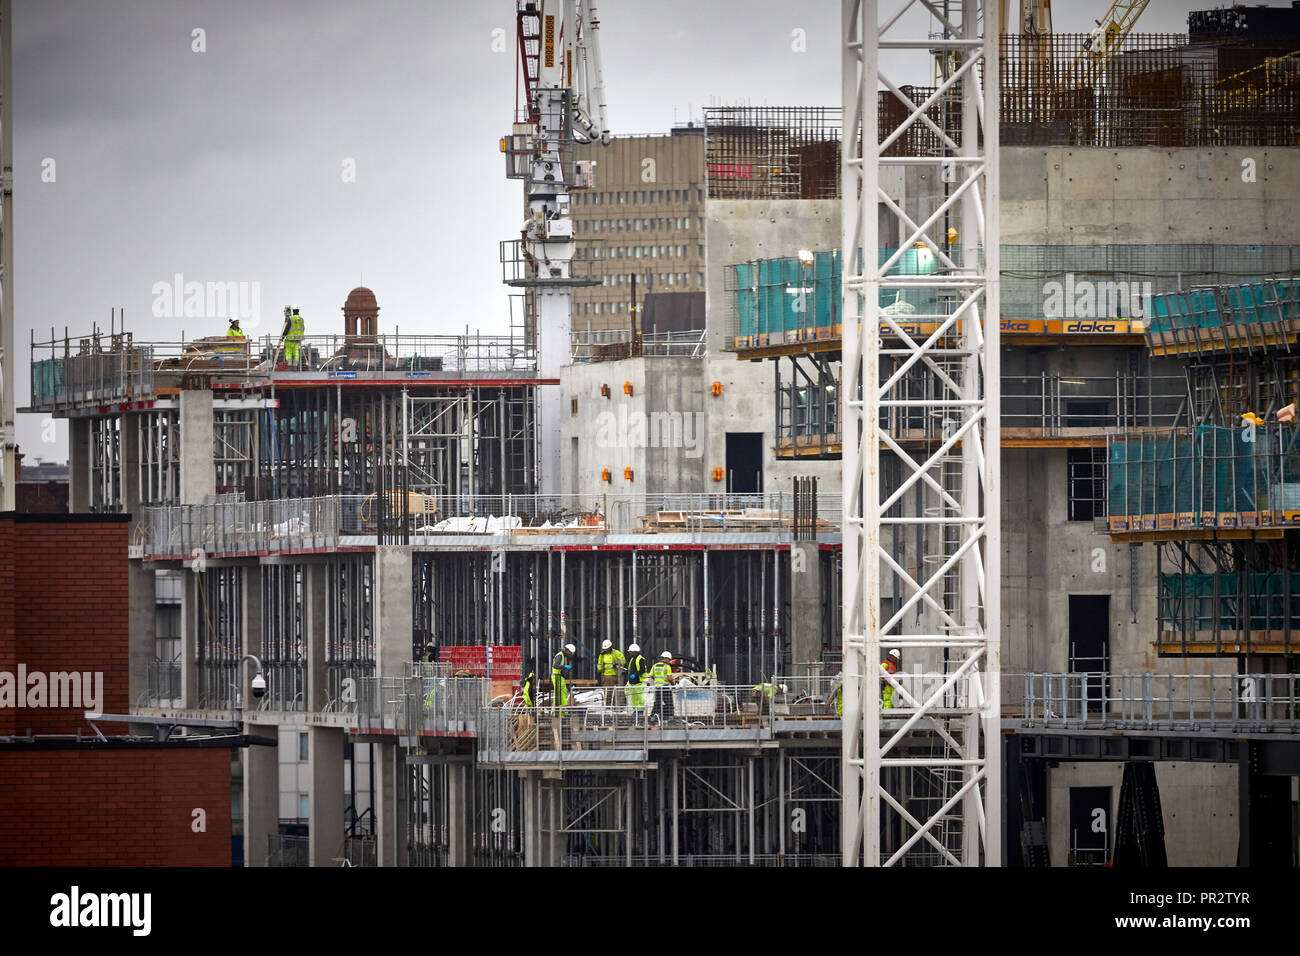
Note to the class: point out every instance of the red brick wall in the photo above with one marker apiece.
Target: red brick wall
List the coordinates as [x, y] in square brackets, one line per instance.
[69, 611]
[114, 807]
[7, 649]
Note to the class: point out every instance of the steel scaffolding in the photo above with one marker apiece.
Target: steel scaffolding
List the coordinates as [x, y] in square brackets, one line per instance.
[963, 824]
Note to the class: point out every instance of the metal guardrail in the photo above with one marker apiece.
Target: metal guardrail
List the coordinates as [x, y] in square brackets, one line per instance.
[94, 375]
[612, 344]
[284, 850]
[623, 719]
[1254, 703]
[1056, 403]
[98, 368]
[422, 703]
[800, 860]
[232, 526]
[164, 687]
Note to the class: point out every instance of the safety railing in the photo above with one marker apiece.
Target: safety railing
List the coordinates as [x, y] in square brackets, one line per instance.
[1053, 404]
[94, 374]
[97, 368]
[283, 850]
[800, 860]
[414, 354]
[1248, 703]
[608, 345]
[164, 687]
[422, 704]
[359, 850]
[819, 696]
[230, 526]
[627, 718]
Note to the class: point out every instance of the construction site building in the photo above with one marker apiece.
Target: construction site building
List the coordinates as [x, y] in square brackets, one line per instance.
[368, 522]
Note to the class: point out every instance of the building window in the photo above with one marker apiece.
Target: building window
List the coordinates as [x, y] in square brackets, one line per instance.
[302, 749]
[573, 407]
[1086, 469]
[304, 806]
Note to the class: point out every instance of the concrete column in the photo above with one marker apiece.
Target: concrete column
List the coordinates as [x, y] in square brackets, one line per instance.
[460, 814]
[805, 606]
[129, 465]
[314, 625]
[78, 465]
[192, 616]
[198, 476]
[532, 818]
[261, 797]
[551, 843]
[390, 803]
[394, 616]
[325, 810]
[142, 627]
[250, 627]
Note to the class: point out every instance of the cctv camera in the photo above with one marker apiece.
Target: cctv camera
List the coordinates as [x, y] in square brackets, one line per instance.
[259, 686]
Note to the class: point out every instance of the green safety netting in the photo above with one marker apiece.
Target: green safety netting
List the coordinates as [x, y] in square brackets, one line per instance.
[801, 299]
[1208, 476]
[1255, 600]
[1265, 300]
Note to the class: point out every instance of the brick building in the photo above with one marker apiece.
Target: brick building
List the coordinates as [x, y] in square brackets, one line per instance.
[645, 217]
[67, 797]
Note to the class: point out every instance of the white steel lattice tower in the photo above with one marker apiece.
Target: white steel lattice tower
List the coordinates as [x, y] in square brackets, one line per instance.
[942, 732]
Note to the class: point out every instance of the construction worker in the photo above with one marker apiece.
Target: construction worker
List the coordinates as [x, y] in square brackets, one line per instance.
[637, 670]
[235, 332]
[609, 664]
[530, 682]
[890, 664]
[838, 694]
[769, 691]
[292, 334]
[561, 669]
[662, 676]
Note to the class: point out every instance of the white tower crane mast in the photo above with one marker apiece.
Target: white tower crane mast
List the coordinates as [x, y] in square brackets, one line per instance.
[564, 103]
[942, 733]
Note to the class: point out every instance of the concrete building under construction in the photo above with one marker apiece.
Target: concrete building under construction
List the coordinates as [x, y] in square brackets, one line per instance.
[375, 523]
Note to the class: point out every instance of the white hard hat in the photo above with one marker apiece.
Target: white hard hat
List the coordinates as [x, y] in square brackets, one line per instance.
[570, 648]
[605, 645]
[666, 656]
[634, 648]
[893, 652]
[295, 307]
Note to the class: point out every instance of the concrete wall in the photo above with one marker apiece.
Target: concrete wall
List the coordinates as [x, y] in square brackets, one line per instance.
[739, 230]
[681, 388]
[1080, 196]
[1198, 803]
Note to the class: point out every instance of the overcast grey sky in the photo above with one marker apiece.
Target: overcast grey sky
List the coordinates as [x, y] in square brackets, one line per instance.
[226, 165]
